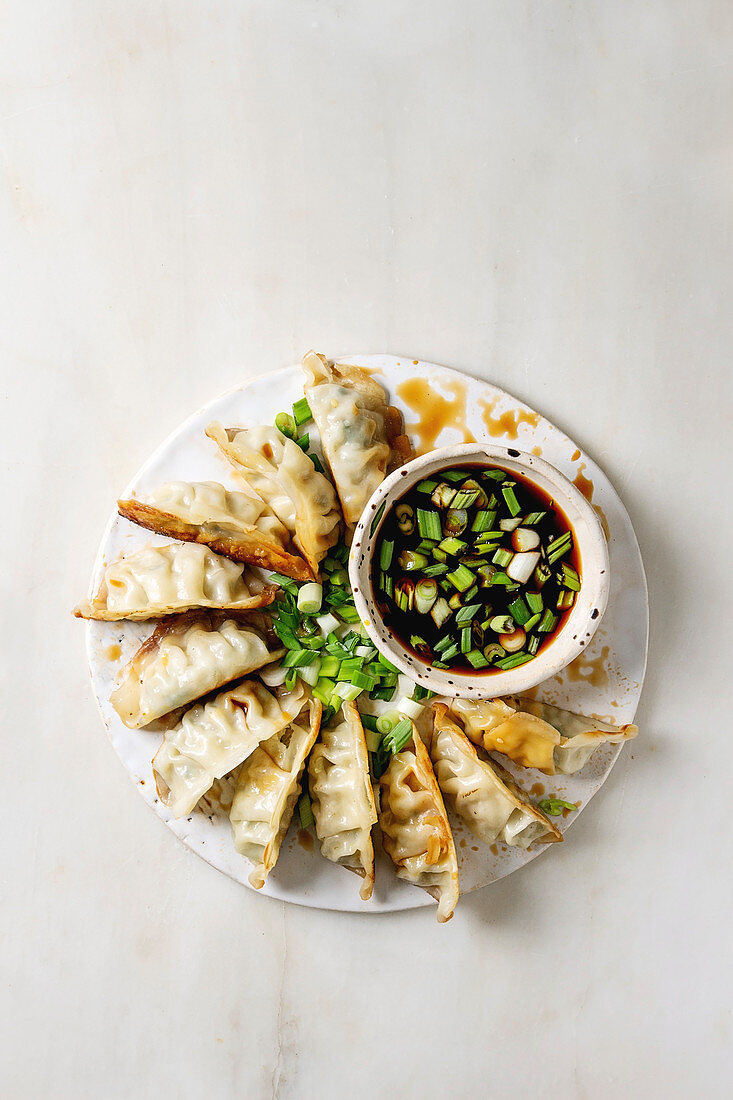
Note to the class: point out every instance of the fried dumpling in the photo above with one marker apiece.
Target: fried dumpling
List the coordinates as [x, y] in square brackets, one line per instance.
[236, 524]
[276, 468]
[579, 736]
[163, 580]
[214, 737]
[482, 793]
[415, 830]
[361, 435]
[536, 735]
[267, 788]
[342, 797]
[185, 657]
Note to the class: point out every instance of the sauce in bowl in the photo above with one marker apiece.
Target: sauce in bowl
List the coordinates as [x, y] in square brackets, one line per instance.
[475, 569]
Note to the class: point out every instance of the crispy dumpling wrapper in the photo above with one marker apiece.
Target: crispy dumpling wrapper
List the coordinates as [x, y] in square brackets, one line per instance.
[164, 580]
[267, 788]
[186, 657]
[278, 471]
[341, 795]
[481, 792]
[236, 524]
[361, 435]
[536, 735]
[415, 830]
[212, 738]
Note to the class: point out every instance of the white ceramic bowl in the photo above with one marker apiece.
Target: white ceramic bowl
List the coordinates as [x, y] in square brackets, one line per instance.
[579, 626]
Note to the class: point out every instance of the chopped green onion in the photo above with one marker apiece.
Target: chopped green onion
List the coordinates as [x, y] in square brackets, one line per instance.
[330, 666]
[467, 613]
[440, 611]
[509, 524]
[466, 639]
[387, 663]
[421, 693]
[285, 424]
[291, 679]
[500, 578]
[461, 578]
[363, 680]
[494, 652]
[494, 475]
[310, 598]
[451, 652]
[522, 566]
[426, 546]
[502, 558]
[399, 736]
[425, 486]
[377, 517]
[533, 518]
[443, 643]
[440, 664]
[428, 523]
[387, 721]
[531, 623]
[502, 624]
[534, 600]
[297, 658]
[305, 811]
[386, 583]
[385, 553]
[384, 692]
[405, 517]
[410, 707]
[470, 593]
[542, 574]
[426, 593]
[310, 673]
[442, 495]
[435, 570]
[302, 412]
[318, 465]
[410, 560]
[456, 601]
[483, 521]
[328, 623]
[519, 611]
[514, 661]
[349, 614]
[570, 577]
[452, 546]
[456, 520]
[454, 475]
[507, 491]
[405, 594]
[533, 644]
[565, 600]
[477, 659]
[559, 548]
[303, 441]
[372, 738]
[439, 555]
[346, 692]
[547, 623]
[418, 643]
[553, 807]
[465, 498]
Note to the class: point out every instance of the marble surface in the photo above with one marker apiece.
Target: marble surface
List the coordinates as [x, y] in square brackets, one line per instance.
[195, 192]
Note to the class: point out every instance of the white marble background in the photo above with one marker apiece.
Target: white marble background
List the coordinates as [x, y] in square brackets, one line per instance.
[537, 193]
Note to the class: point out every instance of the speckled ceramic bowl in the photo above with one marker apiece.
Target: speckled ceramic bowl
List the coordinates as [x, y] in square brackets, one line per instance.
[580, 625]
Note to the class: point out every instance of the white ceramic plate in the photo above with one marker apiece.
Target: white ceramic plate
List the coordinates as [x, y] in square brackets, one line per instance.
[440, 407]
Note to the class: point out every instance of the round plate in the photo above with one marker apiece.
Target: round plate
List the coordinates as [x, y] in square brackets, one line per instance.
[440, 406]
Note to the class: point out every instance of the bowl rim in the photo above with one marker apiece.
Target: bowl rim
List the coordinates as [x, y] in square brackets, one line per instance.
[580, 625]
